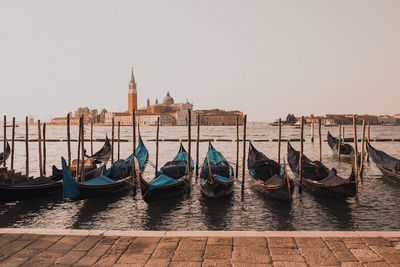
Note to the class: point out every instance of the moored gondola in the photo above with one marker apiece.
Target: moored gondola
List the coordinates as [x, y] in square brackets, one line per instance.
[5, 154]
[388, 165]
[118, 178]
[267, 176]
[172, 179]
[317, 178]
[216, 175]
[103, 154]
[345, 149]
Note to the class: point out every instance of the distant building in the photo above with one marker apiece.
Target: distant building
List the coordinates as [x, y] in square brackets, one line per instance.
[219, 117]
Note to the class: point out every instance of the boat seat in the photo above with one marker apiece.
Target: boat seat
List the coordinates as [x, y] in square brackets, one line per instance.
[274, 180]
[333, 180]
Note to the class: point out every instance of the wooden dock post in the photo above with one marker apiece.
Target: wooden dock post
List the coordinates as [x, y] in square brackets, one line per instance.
[362, 152]
[44, 149]
[69, 139]
[340, 139]
[301, 149]
[312, 132]
[355, 150]
[119, 137]
[112, 140]
[40, 148]
[79, 149]
[197, 145]
[279, 141]
[26, 147]
[134, 146]
[12, 143]
[319, 140]
[5, 140]
[189, 132]
[83, 150]
[244, 150]
[237, 146]
[91, 137]
[343, 138]
[157, 139]
[369, 139]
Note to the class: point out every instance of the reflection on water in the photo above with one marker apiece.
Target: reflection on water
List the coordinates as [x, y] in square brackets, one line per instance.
[375, 209]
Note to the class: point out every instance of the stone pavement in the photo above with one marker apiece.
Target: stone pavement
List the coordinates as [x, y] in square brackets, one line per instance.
[19, 247]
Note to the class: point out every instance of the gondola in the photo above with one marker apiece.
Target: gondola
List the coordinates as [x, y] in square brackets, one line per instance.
[170, 181]
[317, 178]
[267, 176]
[388, 165]
[345, 149]
[216, 174]
[4, 156]
[118, 178]
[38, 187]
[104, 153]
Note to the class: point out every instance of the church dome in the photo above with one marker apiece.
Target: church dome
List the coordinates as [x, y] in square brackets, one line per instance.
[168, 100]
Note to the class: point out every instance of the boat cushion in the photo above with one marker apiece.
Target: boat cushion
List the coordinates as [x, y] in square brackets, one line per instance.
[174, 169]
[120, 169]
[161, 180]
[99, 180]
[221, 178]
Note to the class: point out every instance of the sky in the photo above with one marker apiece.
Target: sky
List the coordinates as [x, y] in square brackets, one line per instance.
[266, 58]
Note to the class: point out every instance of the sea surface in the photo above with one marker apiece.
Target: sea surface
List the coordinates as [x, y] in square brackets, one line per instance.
[377, 206]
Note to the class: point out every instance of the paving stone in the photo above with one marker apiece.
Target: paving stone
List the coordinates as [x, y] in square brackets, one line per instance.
[71, 257]
[168, 244]
[109, 258]
[188, 255]
[337, 246]
[352, 264]
[214, 251]
[128, 265]
[251, 265]
[170, 239]
[376, 241]
[289, 264]
[66, 243]
[310, 242]
[5, 239]
[98, 250]
[131, 258]
[29, 237]
[87, 243]
[14, 247]
[365, 255]
[185, 264]
[251, 255]
[45, 242]
[319, 256]
[391, 258]
[195, 238]
[45, 258]
[377, 264]
[220, 240]
[357, 245]
[20, 257]
[157, 263]
[332, 238]
[344, 256]
[288, 258]
[249, 242]
[281, 242]
[216, 263]
[284, 251]
[163, 253]
[191, 245]
[87, 261]
[385, 250]
[140, 247]
[352, 240]
[392, 239]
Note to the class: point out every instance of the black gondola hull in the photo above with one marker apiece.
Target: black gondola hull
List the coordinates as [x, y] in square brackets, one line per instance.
[283, 191]
[13, 193]
[164, 192]
[90, 191]
[216, 188]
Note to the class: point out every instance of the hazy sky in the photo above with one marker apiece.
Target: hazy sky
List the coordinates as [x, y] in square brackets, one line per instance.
[265, 58]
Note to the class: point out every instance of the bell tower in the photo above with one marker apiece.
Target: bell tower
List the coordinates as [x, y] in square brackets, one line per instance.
[132, 94]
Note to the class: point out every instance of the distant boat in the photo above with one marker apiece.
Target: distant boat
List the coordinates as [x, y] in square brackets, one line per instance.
[388, 165]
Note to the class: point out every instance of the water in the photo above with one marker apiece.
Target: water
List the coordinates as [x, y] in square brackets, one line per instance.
[376, 208]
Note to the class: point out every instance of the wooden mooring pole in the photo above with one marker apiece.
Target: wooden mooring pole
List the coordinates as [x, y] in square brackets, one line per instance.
[244, 150]
[119, 137]
[319, 140]
[279, 141]
[237, 146]
[369, 139]
[362, 152]
[189, 127]
[69, 138]
[83, 150]
[44, 149]
[79, 149]
[355, 150]
[91, 137]
[5, 140]
[301, 149]
[112, 140]
[340, 139]
[197, 145]
[26, 147]
[312, 132]
[157, 138]
[40, 148]
[12, 143]
[134, 146]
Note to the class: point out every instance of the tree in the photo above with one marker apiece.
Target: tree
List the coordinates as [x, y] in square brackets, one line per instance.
[290, 118]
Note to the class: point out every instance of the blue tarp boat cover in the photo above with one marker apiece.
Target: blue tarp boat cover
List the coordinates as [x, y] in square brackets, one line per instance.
[217, 163]
[99, 180]
[161, 181]
[141, 154]
[120, 169]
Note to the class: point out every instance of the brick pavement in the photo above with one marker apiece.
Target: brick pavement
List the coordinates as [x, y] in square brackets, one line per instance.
[228, 249]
